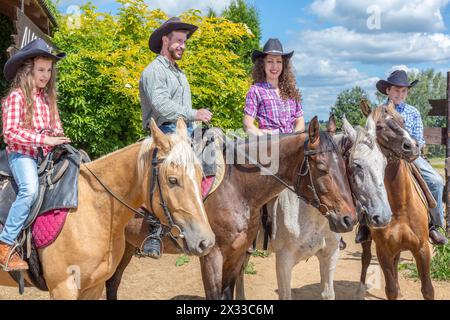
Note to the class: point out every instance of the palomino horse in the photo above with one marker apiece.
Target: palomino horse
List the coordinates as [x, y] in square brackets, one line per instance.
[92, 240]
[408, 229]
[299, 232]
[311, 162]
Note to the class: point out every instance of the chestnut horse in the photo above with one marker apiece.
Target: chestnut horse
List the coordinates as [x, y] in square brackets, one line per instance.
[408, 229]
[92, 241]
[311, 162]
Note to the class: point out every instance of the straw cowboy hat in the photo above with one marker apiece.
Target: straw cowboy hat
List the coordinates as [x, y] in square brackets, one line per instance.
[272, 46]
[174, 23]
[398, 78]
[36, 48]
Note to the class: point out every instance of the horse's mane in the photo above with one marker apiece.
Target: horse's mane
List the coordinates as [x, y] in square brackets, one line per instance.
[377, 113]
[181, 155]
[361, 137]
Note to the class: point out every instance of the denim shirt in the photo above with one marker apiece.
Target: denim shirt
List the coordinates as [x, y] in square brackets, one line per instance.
[164, 93]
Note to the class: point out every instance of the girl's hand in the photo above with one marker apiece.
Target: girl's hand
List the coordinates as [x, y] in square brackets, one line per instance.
[54, 141]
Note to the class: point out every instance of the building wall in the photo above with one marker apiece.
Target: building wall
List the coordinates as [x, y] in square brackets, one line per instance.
[6, 29]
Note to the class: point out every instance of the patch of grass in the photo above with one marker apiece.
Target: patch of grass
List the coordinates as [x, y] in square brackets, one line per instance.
[260, 253]
[440, 265]
[250, 268]
[181, 260]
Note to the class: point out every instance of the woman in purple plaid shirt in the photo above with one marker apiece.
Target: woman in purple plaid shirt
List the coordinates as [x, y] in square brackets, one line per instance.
[273, 99]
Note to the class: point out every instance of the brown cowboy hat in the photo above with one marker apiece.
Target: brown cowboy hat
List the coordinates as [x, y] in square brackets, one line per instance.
[272, 46]
[398, 78]
[174, 23]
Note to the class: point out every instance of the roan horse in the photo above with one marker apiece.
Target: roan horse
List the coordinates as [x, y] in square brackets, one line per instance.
[298, 232]
[311, 162]
[408, 229]
[92, 240]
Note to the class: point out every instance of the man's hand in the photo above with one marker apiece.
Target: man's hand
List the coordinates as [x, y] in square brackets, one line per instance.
[54, 141]
[203, 115]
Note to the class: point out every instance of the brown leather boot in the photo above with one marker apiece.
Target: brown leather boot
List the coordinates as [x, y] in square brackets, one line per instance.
[15, 263]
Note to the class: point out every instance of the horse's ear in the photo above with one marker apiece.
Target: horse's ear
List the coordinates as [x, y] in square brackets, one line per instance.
[331, 125]
[371, 127]
[159, 137]
[313, 130]
[365, 108]
[181, 128]
[349, 131]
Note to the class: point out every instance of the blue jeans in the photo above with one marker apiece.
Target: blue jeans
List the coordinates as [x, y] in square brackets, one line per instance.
[24, 169]
[436, 186]
[170, 128]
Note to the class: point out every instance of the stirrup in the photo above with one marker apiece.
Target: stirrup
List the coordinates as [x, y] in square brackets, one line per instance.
[153, 249]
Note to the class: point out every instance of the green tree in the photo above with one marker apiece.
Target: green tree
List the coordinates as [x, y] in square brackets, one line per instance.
[6, 29]
[241, 12]
[347, 103]
[99, 79]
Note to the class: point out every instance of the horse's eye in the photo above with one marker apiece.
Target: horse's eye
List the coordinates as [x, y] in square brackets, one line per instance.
[173, 181]
[356, 166]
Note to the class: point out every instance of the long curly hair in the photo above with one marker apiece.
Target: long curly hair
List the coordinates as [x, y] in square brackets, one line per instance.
[286, 80]
[23, 80]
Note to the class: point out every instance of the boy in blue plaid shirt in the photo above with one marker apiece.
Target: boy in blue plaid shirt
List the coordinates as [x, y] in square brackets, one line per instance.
[396, 88]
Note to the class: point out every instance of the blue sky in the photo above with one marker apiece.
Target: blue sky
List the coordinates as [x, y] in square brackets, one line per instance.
[339, 44]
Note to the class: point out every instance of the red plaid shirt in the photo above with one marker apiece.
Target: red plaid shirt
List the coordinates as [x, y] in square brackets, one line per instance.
[27, 140]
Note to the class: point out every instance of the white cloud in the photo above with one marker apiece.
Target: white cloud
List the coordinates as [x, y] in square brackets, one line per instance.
[175, 7]
[391, 48]
[401, 67]
[394, 15]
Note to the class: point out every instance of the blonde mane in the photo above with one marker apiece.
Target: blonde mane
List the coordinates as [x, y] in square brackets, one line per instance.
[181, 155]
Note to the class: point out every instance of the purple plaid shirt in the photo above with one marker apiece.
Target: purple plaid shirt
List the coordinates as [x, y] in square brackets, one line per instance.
[271, 112]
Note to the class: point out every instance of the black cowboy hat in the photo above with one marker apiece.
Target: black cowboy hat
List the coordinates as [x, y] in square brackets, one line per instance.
[174, 23]
[398, 78]
[36, 48]
[272, 46]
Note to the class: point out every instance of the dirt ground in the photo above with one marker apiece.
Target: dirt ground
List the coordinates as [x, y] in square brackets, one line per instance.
[161, 279]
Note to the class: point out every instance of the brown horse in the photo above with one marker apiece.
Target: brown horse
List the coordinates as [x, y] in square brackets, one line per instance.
[92, 241]
[408, 229]
[234, 208]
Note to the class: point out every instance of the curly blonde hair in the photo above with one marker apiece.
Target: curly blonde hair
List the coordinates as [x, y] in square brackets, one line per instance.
[287, 83]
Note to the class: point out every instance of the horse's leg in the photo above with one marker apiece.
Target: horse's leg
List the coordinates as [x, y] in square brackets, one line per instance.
[423, 259]
[328, 260]
[65, 290]
[112, 285]
[285, 261]
[211, 266]
[386, 260]
[396, 261]
[366, 257]
[94, 293]
[240, 288]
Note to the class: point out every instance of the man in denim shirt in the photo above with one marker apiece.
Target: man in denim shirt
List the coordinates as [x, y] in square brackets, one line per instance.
[163, 88]
[165, 95]
[396, 88]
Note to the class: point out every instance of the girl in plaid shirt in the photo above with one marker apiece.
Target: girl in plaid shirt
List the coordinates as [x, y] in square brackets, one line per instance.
[30, 121]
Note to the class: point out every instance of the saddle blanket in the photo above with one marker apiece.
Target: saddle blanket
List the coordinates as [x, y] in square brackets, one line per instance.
[48, 226]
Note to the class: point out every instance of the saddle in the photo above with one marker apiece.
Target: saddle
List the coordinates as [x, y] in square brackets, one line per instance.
[421, 186]
[58, 182]
[209, 151]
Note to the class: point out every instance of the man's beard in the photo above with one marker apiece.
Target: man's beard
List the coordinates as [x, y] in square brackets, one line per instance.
[174, 55]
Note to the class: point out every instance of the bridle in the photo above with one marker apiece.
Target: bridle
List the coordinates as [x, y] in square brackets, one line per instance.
[305, 169]
[172, 230]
